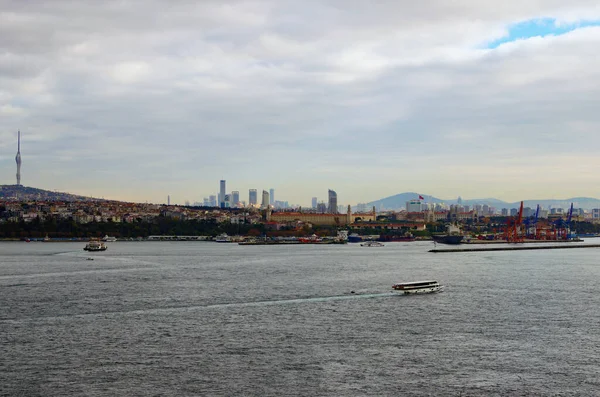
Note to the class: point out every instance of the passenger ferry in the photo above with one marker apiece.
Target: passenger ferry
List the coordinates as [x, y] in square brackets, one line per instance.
[418, 287]
[95, 245]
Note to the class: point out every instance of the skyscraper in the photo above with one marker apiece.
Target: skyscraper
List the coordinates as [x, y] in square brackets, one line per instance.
[235, 198]
[252, 197]
[265, 199]
[272, 196]
[314, 202]
[222, 194]
[18, 159]
[332, 205]
[212, 200]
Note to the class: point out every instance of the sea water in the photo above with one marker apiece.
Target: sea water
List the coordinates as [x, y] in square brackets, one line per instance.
[201, 318]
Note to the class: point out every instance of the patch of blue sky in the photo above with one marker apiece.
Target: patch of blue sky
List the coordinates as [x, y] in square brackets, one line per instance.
[538, 28]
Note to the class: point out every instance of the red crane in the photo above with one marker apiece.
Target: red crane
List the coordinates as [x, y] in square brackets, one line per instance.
[513, 227]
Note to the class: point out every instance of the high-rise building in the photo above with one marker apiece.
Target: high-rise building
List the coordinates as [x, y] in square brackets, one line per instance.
[222, 194]
[252, 197]
[414, 206]
[18, 158]
[212, 199]
[235, 198]
[265, 199]
[271, 196]
[321, 207]
[332, 205]
[314, 202]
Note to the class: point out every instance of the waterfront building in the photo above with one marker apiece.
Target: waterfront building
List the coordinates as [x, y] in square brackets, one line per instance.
[272, 196]
[314, 202]
[324, 219]
[332, 205]
[235, 198]
[252, 197]
[222, 191]
[265, 199]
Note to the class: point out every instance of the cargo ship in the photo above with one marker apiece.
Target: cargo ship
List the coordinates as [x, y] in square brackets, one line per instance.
[453, 236]
[452, 239]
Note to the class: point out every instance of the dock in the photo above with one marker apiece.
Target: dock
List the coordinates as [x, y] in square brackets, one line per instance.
[515, 248]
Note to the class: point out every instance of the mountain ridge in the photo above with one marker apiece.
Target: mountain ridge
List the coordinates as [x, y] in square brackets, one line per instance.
[398, 201]
[21, 192]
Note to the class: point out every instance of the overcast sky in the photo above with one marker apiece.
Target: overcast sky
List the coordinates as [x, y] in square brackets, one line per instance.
[137, 100]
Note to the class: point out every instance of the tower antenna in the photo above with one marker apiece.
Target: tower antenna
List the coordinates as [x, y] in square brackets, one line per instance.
[18, 158]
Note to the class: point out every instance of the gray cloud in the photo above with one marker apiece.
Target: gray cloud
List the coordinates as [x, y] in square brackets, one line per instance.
[298, 96]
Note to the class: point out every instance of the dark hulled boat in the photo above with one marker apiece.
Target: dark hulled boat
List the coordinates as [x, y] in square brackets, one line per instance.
[452, 239]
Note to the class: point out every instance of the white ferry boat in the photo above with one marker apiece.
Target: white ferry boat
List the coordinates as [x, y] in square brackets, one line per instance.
[372, 244]
[95, 246]
[418, 287]
[109, 239]
[223, 238]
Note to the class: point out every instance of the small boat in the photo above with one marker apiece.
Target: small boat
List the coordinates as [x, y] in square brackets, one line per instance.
[372, 244]
[223, 238]
[418, 287]
[314, 239]
[108, 238]
[95, 246]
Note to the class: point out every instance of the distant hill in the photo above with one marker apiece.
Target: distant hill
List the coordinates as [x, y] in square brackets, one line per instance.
[30, 193]
[398, 202]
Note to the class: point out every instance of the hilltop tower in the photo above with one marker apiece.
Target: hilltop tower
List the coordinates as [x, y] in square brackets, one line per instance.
[18, 159]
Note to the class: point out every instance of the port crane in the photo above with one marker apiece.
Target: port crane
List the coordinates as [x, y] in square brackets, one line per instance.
[531, 224]
[513, 226]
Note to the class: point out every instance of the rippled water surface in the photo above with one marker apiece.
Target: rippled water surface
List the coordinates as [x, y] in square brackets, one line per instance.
[197, 318]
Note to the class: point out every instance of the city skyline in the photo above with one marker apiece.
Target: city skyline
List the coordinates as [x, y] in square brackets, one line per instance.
[451, 99]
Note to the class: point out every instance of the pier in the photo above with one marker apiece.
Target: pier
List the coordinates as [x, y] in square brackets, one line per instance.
[513, 248]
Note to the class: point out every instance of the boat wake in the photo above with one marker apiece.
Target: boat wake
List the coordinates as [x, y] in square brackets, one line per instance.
[207, 307]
